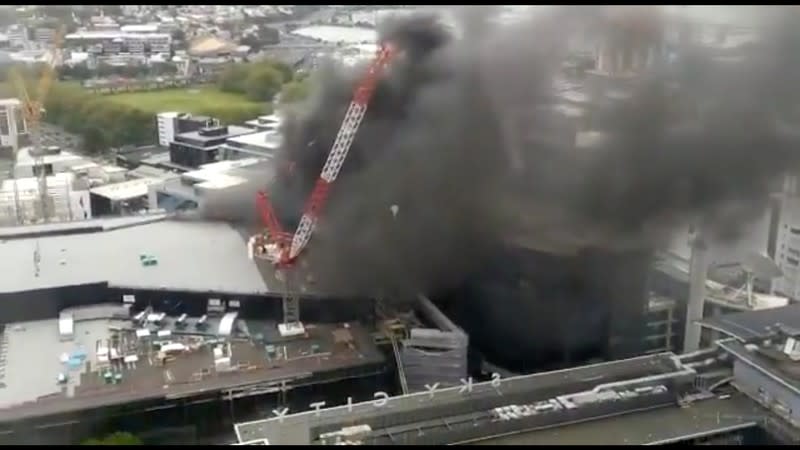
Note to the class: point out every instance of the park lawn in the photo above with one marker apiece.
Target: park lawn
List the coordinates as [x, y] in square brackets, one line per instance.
[202, 100]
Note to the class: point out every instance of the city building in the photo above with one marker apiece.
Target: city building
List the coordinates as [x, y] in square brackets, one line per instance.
[80, 321]
[13, 126]
[21, 201]
[263, 144]
[785, 238]
[53, 160]
[192, 149]
[766, 357]
[17, 36]
[265, 123]
[192, 189]
[170, 124]
[546, 408]
[44, 36]
[113, 42]
[122, 198]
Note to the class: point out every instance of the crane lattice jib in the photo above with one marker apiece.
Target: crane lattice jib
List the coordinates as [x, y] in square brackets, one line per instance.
[274, 231]
[333, 165]
[341, 146]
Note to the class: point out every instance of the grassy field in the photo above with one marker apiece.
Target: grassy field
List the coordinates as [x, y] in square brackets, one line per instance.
[192, 100]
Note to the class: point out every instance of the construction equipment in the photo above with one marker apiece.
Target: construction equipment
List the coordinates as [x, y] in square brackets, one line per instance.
[32, 109]
[281, 248]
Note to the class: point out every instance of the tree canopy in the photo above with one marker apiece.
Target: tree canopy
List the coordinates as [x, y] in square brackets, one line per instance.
[296, 91]
[259, 81]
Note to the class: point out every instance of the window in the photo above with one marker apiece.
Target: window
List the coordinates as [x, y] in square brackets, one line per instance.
[4, 129]
[21, 125]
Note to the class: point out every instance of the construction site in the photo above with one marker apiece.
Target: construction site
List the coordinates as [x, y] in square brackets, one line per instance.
[359, 299]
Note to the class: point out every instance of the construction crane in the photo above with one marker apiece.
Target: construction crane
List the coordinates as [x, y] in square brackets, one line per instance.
[32, 109]
[282, 248]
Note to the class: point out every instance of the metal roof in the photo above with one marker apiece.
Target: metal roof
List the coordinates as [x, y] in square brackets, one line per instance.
[750, 325]
[189, 256]
[763, 364]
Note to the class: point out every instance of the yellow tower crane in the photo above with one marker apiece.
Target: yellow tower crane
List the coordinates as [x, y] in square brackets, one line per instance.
[32, 109]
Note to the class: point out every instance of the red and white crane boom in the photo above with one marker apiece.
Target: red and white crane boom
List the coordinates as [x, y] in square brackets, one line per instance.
[282, 251]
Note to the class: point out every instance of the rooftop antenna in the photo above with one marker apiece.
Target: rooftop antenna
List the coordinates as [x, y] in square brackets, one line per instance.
[758, 265]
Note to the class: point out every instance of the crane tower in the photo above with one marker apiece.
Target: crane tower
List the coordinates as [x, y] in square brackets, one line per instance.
[282, 248]
[32, 109]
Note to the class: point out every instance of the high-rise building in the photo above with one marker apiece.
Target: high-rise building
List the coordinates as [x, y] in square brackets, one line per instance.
[12, 123]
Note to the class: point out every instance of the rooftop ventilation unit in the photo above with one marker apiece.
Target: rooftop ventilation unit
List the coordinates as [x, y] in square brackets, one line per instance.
[213, 131]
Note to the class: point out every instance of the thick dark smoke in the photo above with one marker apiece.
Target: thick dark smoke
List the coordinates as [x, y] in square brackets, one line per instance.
[460, 138]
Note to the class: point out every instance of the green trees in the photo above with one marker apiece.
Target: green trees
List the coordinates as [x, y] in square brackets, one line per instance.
[118, 438]
[262, 83]
[102, 124]
[295, 91]
[258, 81]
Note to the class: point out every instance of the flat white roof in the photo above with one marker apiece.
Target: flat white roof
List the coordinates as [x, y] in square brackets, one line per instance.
[221, 181]
[24, 157]
[10, 102]
[268, 140]
[146, 28]
[126, 189]
[32, 358]
[190, 256]
[115, 35]
[216, 171]
[332, 33]
[32, 183]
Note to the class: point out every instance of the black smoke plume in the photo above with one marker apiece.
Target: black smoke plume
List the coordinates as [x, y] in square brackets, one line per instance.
[460, 137]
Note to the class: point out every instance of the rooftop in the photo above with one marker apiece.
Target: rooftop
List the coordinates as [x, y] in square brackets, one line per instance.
[747, 326]
[656, 427]
[191, 256]
[422, 408]
[114, 35]
[37, 354]
[719, 293]
[266, 140]
[125, 190]
[211, 45]
[24, 157]
[233, 131]
[768, 361]
[335, 34]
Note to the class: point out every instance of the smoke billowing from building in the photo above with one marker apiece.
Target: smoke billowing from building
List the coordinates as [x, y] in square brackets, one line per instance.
[456, 138]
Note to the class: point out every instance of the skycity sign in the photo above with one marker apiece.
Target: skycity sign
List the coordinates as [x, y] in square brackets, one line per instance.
[381, 399]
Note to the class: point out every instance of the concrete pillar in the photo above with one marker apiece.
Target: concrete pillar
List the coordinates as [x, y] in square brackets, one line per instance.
[698, 271]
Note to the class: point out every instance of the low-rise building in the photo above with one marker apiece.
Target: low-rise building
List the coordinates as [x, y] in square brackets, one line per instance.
[121, 198]
[170, 124]
[106, 42]
[12, 123]
[263, 144]
[195, 148]
[191, 190]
